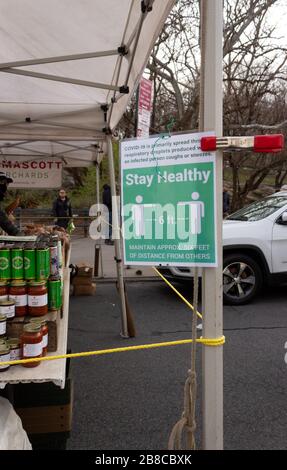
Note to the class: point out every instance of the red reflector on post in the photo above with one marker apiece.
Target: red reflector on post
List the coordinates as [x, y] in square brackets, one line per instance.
[208, 144]
[271, 143]
[268, 143]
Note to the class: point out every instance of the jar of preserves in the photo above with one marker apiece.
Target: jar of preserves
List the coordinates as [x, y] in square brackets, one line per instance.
[5, 262]
[7, 307]
[15, 348]
[54, 293]
[18, 293]
[3, 324]
[37, 298]
[31, 343]
[3, 290]
[42, 261]
[29, 261]
[17, 262]
[44, 329]
[4, 356]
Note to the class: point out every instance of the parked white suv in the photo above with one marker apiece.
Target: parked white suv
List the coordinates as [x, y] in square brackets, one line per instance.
[254, 249]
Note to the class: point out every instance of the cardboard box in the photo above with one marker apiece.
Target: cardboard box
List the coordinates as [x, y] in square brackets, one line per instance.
[52, 319]
[84, 271]
[82, 281]
[46, 419]
[84, 290]
[14, 327]
[44, 408]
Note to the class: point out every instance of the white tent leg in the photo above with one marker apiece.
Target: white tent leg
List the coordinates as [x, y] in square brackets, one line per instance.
[117, 239]
[98, 187]
[212, 294]
[99, 212]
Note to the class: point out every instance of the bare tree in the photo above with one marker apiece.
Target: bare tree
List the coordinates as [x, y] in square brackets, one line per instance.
[254, 82]
[255, 64]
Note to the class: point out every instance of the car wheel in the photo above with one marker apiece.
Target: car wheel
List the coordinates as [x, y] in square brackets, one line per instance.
[242, 279]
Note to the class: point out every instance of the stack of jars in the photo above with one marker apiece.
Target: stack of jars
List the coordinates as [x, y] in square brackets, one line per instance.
[32, 344]
[7, 313]
[10, 350]
[30, 284]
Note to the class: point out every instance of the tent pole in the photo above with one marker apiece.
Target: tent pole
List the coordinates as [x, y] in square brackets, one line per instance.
[64, 58]
[58, 78]
[98, 209]
[117, 238]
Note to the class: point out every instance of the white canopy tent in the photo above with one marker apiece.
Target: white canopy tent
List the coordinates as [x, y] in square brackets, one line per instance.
[69, 68]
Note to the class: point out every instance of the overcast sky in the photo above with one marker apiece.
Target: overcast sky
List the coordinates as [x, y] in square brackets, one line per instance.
[278, 16]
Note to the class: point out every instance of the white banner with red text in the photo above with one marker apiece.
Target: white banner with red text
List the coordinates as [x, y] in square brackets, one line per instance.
[144, 107]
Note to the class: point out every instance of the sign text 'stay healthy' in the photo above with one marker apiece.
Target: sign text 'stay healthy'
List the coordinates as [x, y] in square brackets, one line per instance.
[168, 201]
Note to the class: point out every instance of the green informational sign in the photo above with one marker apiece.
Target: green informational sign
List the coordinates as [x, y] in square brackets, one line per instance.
[168, 201]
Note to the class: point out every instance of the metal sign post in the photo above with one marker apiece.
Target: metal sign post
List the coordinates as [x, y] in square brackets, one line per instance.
[212, 62]
[212, 28]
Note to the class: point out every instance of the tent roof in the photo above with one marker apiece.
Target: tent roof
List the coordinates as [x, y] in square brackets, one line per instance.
[62, 62]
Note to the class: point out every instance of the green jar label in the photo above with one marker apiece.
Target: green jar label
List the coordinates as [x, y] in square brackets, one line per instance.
[54, 294]
[41, 265]
[27, 263]
[4, 263]
[17, 262]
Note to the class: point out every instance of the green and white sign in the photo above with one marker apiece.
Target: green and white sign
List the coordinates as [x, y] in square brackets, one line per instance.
[168, 201]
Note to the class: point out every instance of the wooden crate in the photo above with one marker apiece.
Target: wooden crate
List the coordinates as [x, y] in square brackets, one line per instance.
[44, 408]
[46, 419]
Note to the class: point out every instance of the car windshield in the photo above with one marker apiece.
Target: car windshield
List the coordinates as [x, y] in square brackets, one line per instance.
[260, 209]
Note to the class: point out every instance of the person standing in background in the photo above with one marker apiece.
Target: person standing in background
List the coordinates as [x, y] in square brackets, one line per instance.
[107, 201]
[62, 209]
[5, 223]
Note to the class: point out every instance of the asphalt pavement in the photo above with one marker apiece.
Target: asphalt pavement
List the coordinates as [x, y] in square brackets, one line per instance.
[131, 400]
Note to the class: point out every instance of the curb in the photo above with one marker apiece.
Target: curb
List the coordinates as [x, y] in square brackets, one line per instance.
[103, 280]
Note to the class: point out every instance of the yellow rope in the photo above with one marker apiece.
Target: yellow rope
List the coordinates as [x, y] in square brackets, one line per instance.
[213, 342]
[206, 341]
[177, 292]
